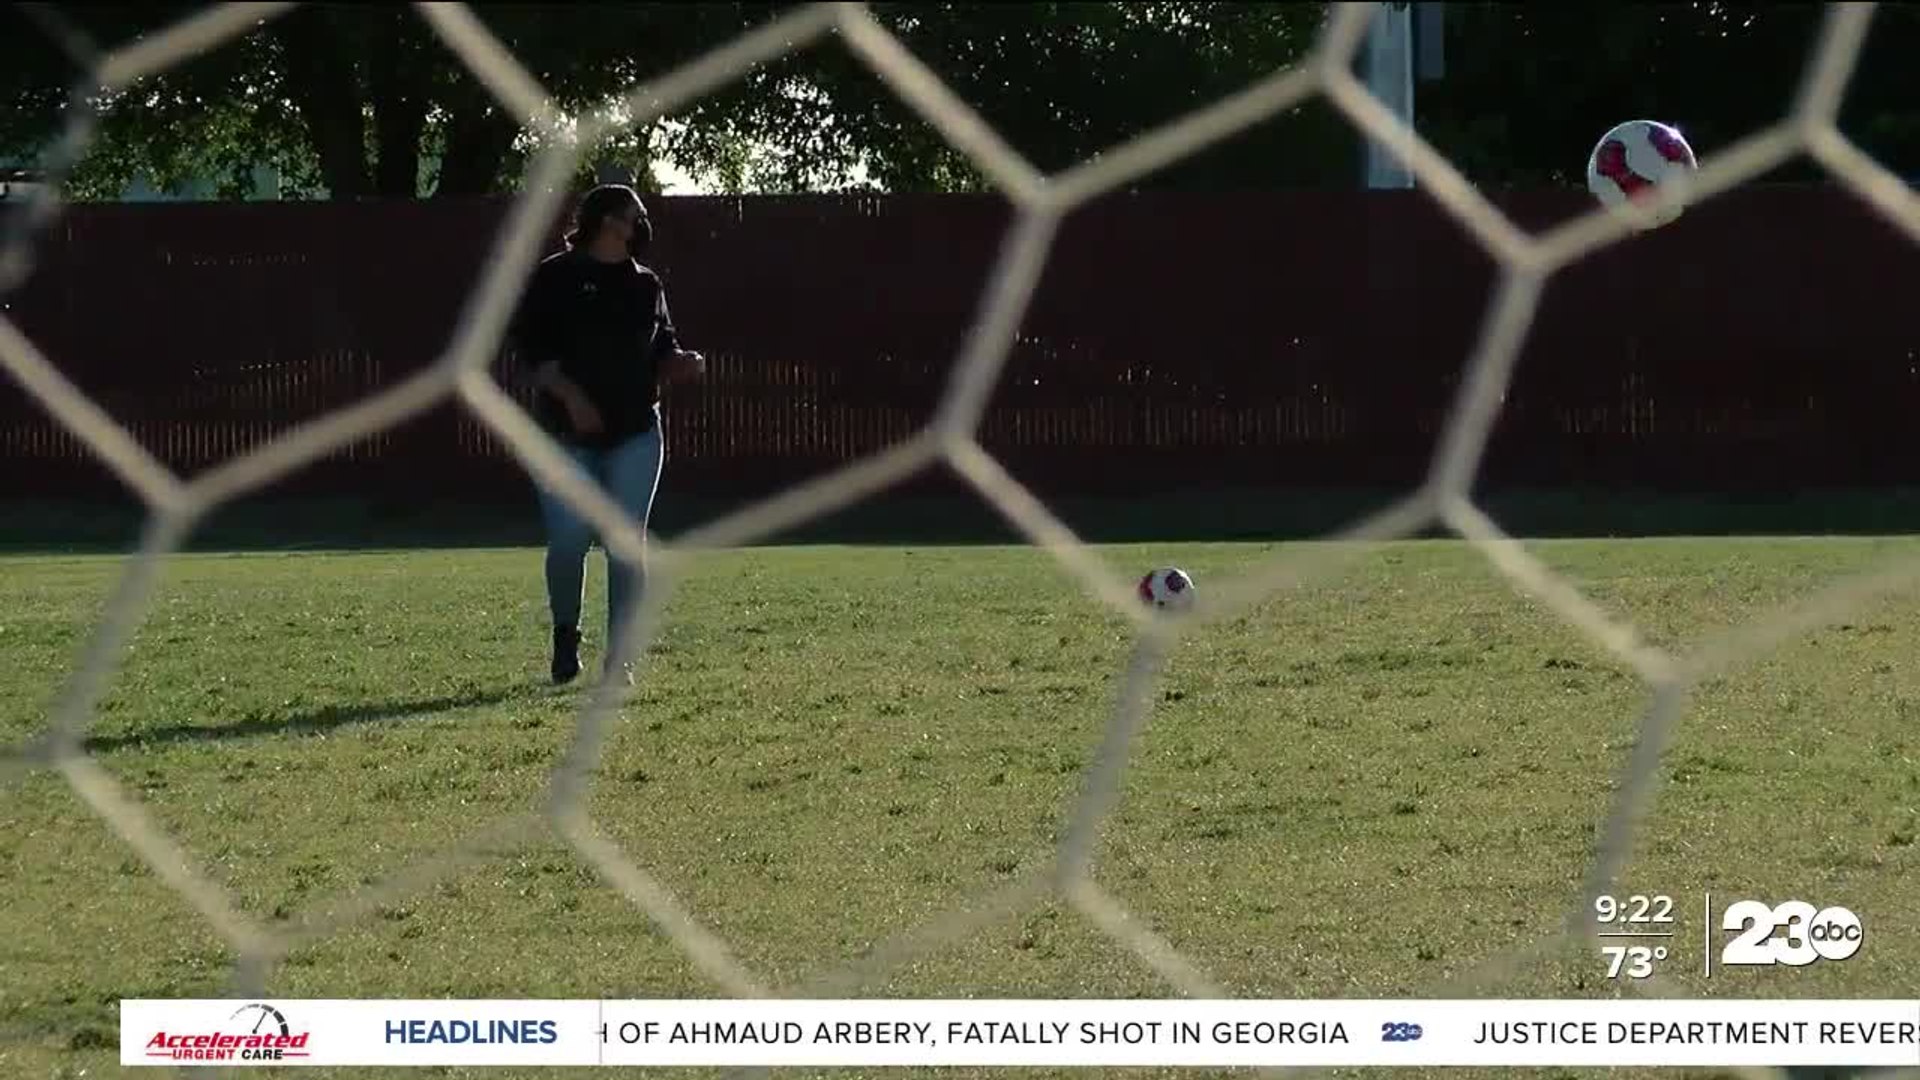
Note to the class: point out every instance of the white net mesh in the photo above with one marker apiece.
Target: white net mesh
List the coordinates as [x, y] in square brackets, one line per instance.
[462, 373]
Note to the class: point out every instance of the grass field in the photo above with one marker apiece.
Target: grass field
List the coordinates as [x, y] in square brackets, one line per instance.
[1366, 787]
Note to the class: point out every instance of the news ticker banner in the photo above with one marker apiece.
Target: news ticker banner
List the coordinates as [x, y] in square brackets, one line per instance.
[1219, 1034]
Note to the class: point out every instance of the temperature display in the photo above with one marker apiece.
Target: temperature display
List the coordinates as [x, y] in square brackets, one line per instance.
[1633, 931]
[1633, 961]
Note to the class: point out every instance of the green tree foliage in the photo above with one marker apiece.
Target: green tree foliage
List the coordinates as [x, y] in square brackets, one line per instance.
[1060, 82]
[353, 100]
[1529, 88]
[362, 100]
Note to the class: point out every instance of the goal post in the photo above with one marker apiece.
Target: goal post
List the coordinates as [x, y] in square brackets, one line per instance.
[1406, 45]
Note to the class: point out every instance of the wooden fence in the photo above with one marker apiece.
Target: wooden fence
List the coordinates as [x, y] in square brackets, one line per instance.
[1261, 340]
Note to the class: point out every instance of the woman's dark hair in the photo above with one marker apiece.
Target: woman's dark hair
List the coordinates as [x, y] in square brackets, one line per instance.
[607, 199]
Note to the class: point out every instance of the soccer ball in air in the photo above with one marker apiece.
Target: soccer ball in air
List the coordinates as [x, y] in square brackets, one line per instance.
[1167, 588]
[1635, 161]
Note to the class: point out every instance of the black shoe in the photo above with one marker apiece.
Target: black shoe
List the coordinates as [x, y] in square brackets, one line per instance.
[566, 654]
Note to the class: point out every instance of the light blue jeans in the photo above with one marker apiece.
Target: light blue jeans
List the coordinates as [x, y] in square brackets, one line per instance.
[629, 473]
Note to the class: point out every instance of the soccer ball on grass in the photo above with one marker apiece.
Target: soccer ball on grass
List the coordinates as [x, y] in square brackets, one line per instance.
[1167, 589]
[1633, 163]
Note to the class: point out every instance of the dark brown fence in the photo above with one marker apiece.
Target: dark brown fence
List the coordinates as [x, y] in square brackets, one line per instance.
[1769, 341]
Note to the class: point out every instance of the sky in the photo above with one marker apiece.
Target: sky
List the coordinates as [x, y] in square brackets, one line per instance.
[677, 181]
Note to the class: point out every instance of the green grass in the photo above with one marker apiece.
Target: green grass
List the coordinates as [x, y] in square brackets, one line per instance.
[1363, 788]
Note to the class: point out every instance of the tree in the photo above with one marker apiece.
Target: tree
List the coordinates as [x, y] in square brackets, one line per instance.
[1062, 82]
[347, 99]
[1530, 87]
[361, 100]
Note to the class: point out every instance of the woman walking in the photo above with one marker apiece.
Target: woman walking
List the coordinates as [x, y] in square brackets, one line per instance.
[594, 332]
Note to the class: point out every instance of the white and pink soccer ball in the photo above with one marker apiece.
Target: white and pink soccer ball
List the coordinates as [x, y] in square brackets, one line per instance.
[1634, 162]
[1167, 588]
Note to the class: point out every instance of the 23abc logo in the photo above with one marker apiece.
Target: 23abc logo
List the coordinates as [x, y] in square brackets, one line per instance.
[1810, 934]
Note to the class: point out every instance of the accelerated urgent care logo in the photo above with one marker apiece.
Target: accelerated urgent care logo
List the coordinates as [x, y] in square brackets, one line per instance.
[255, 1032]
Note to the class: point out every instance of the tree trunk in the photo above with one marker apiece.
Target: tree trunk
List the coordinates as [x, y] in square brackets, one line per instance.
[479, 138]
[396, 78]
[322, 83]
